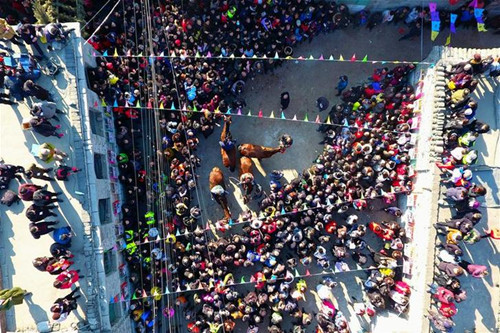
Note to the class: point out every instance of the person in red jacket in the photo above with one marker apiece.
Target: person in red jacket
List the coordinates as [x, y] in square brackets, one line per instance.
[27, 190]
[66, 279]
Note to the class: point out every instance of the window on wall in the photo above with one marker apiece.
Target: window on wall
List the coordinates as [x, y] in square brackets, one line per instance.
[115, 311]
[96, 122]
[100, 166]
[109, 261]
[105, 211]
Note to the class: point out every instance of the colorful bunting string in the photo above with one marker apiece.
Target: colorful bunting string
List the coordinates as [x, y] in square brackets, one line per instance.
[264, 57]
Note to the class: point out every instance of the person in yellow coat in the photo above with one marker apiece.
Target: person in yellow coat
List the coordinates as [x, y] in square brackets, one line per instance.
[11, 297]
[8, 33]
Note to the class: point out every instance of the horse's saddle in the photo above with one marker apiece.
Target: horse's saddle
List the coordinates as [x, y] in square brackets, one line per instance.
[246, 178]
[217, 190]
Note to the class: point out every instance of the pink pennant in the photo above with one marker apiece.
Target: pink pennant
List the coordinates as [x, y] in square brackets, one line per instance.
[353, 58]
[260, 114]
[209, 55]
[150, 106]
[239, 112]
[321, 57]
[317, 121]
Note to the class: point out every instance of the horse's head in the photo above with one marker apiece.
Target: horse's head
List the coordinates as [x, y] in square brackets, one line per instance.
[285, 142]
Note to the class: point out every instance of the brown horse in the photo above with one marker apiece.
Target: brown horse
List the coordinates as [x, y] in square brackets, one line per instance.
[218, 190]
[247, 179]
[260, 152]
[228, 149]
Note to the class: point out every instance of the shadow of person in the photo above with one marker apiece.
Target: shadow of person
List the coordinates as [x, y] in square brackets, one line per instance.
[37, 312]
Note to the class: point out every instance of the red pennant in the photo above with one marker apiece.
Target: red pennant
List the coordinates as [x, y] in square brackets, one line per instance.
[260, 113]
[353, 58]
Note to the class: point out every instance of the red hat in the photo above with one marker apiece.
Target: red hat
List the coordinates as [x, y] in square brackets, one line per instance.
[177, 42]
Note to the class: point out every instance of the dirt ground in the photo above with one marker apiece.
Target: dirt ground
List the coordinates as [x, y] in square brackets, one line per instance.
[306, 81]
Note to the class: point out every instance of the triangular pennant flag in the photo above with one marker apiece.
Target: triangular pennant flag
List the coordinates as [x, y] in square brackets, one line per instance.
[448, 40]
[264, 57]
[140, 54]
[296, 273]
[294, 117]
[242, 280]
[103, 103]
[162, 54]
[177, 233]
[311, 57]
[150, 105]
[346, 123]
[195, 109]
[321, 57]
[239, 112]
[197, 54]
[317, 121]
[173, 54]
[161, 105]
[249, 113]
[328, 122]
[282, 115]
[308, 273]
[207, 227]
[353, 58]
[434, 35]
[228, 111]
[254, 56]
[116, 53]
[220, 56]
[231, 56]
[300, 58]
[341, 58]
[188, 287]
[167, 291]
[331, 58]
[209, 55]
[365, 59]
[217, 110]
[172, 107]
[306, 118]
[127, 103]
[283, 212]
[178, 290]
[134, 296]
[260, 114]
[276, 56]
[243, 56]
[115, 104]
[138, 104]
[271, 115]
[105, 53]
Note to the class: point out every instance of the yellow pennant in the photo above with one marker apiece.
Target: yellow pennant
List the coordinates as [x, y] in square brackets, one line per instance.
[434, 35]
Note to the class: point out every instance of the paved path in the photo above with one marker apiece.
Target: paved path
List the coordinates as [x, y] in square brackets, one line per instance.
[480, 312]
[18, 247]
